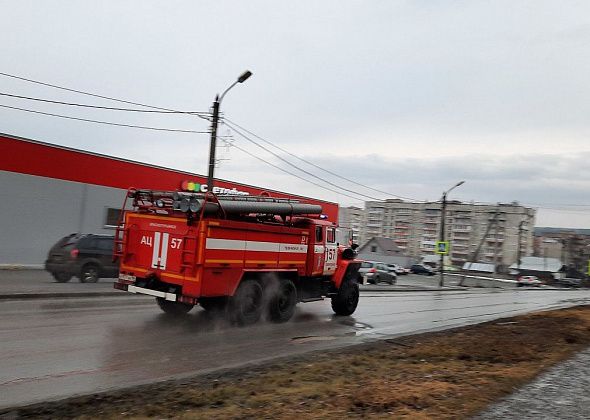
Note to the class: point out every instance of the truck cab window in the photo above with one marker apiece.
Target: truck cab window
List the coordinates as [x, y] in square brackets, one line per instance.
[331, 235]
[318, 234]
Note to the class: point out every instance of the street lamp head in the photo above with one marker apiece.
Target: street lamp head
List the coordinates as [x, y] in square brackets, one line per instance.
[460, 183]
[244, 76]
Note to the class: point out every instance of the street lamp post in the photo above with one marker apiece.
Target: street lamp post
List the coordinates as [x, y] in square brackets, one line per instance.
[442, 230]
[214, 124]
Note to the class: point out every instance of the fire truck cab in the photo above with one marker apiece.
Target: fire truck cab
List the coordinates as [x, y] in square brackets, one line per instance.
[247, 256]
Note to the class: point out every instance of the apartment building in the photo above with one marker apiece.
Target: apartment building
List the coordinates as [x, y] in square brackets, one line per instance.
[351, 218]
[491, 231]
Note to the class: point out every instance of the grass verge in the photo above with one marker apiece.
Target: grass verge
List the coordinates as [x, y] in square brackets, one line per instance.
[450, 374]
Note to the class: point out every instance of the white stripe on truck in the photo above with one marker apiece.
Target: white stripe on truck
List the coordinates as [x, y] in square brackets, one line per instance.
[238, 245]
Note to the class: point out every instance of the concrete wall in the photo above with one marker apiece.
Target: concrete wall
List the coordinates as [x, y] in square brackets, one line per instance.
[35, 212]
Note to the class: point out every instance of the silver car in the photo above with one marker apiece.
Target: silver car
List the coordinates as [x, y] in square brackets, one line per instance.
[375, 272]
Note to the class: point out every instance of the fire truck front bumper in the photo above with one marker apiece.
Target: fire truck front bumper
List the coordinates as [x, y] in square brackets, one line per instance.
[143, 291]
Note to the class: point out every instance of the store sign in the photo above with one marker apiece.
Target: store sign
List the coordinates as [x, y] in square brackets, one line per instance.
[191, 186]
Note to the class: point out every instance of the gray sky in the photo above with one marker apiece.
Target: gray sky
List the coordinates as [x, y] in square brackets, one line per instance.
[408, 97]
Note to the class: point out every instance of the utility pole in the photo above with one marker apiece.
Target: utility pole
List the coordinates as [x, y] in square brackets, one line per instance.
[475, 255]
[442, 237]
[213, 144]
[442, 231]
[519, 255]
[214, 123]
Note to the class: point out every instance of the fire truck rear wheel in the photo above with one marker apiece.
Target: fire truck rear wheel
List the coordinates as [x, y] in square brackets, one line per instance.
[89, 273]
[245, 306]
[347, 299]
[283, 299]
[173, 308]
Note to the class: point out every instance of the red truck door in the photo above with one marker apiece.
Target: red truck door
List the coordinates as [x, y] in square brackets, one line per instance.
[330, 252]
[317, 266]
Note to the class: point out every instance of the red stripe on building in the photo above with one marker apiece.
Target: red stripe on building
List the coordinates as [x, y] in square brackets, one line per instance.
[32, 157]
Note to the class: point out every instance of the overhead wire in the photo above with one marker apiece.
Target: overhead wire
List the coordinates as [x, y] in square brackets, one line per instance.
[319, 167]
[109, 108]
[289, 172]
[81, 92]
[296, 167]
[104, 122]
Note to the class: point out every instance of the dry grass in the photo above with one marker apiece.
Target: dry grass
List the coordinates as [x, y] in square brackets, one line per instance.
[441, 375]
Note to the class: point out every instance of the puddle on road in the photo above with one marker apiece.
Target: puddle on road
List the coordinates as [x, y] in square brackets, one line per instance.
[355, 324]
[309, 338]
[360, 328]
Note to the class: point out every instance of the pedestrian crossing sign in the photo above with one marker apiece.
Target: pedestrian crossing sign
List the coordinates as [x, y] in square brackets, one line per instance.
[442, 247]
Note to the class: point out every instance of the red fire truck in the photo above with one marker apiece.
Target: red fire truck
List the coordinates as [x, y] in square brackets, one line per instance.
[248, 256]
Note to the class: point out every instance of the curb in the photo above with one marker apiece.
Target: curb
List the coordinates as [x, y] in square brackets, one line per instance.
[19, 296]
[410, 289]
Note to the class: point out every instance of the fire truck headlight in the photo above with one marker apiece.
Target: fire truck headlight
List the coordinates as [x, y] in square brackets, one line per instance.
[184, 205]
[159, 203]
[176, 205]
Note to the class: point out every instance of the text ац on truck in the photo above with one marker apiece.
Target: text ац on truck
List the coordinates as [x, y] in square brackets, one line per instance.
[249, 256]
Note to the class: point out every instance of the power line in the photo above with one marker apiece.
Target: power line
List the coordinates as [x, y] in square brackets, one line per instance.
[319, 167]
[91, 94]
[290, 173]
[99, 107]
[104, 122]
[299, 169]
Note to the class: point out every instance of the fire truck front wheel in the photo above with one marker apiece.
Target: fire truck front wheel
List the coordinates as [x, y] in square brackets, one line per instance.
[173, 308]
[282, 301]
[347, 299]
[245, 306]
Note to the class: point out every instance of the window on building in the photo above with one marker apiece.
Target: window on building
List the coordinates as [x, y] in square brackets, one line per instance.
[112, 217]
[373, 248]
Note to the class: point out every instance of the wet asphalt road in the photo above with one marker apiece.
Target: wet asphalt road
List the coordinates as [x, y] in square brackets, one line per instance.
[54, 348]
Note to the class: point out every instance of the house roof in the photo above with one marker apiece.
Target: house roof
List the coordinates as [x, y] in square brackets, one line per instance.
[483, 267]
[551, 265]
[386, 246]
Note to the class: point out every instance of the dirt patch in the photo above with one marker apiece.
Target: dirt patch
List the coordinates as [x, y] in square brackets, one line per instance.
[450, 374]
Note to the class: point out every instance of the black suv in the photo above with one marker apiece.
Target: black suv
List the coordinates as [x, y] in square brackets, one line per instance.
[88, 257]
[421, 269]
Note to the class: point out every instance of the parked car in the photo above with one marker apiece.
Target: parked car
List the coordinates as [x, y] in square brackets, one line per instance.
[397, 269]
[376, 272]
[569, 282]
[528, 281]
[86, 256]
[421, 269]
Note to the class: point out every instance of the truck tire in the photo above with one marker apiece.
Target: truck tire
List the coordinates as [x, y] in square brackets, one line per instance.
[347, 299]
[90, 273]
[282, 301]
[213, 304]
[61, 276]
[173, 308]
[245, 306]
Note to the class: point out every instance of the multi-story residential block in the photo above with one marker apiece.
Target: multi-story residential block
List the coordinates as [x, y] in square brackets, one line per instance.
[351, 218]
[476, 232]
